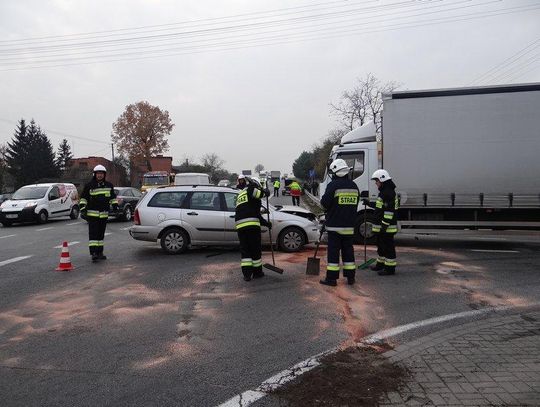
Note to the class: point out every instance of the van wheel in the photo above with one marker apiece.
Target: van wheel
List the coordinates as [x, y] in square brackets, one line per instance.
[43, 217]
[292, 239]
[74, 214]
[371, 238]
[174, 241]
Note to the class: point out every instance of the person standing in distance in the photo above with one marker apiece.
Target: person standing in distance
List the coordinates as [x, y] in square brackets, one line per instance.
[296, 191]
[385, 226]
[340, 202]
[277, 185]
[94, 204]
[248, 222]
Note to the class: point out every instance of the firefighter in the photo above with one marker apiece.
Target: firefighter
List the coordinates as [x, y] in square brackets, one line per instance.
[248, 221]
[340, 202]
[296, 191]
[385, 226]
[241, 182]
[94, 204]
[277, 184]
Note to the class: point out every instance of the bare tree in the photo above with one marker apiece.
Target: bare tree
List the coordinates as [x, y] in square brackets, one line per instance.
[140, 132]
[259, 168]
[213, 164]
[362, 103]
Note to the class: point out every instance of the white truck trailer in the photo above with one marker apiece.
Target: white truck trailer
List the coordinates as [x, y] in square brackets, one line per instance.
[461, 158]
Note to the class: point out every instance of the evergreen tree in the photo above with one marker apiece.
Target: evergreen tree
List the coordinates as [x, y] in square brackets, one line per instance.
[30, 155]
[63, 155]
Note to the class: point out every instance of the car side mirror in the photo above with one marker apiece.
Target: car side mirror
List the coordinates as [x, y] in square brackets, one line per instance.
[52, 197]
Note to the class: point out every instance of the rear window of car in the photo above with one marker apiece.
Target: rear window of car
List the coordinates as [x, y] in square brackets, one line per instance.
[208, 201]
[173, 199]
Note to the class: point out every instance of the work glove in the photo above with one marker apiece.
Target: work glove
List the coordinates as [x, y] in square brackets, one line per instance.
[115, 207]
[365, 202]
[265, 223]
[266, 192]
[83, 214]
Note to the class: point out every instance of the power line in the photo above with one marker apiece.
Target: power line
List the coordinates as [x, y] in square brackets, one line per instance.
[508, 74]
[508, 61]
[281, 31]
[215, 46]
[47, 131]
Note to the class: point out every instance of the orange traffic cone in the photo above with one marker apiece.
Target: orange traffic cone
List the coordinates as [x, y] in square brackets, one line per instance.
[65, 260]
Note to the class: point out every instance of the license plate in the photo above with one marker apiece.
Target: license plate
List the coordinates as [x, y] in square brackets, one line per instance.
[12, 216]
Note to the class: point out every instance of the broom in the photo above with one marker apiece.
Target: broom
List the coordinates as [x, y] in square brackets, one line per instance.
[272, 266]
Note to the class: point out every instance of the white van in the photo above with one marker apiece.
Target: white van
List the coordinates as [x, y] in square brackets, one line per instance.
[39, 202]
[192, 178]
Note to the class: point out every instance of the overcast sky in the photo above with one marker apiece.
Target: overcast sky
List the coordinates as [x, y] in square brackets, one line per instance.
[256, 103]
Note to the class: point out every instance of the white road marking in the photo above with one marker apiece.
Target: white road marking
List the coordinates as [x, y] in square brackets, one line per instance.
[69, 244]
[493, 251]
[5, 237]
[125, 228]
[251, 396]
[42, 229]
[14, 260]
[108, 233]
[74, 223]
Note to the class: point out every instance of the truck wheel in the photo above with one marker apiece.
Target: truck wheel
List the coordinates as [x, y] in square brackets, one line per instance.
[74, 214]
[291, 239]
[174, 241]
[42, 217]
[371, 238]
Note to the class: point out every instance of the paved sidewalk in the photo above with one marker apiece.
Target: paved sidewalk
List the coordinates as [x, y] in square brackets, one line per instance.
[493, 362]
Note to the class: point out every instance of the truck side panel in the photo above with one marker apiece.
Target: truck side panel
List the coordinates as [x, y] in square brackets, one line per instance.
[464, 145]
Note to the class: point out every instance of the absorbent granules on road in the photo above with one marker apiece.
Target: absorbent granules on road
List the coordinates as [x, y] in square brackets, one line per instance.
[356, 376]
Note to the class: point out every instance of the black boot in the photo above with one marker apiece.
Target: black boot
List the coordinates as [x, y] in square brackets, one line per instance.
[95, 257]
[101, 256]
[258, 274]
[326, 281]
[378, 266]
[350, 280]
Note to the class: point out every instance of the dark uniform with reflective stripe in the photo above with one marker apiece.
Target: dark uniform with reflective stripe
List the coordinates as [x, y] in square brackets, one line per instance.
[340, 202]
[385, 226]
[248, 226]
[94, 203]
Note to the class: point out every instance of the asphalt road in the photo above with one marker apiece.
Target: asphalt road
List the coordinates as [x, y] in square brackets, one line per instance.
[145, 328]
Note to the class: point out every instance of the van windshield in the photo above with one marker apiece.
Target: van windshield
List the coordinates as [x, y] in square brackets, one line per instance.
[29, 193]
[156, 180]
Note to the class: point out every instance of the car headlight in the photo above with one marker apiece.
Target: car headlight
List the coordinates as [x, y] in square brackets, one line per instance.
[30, 204]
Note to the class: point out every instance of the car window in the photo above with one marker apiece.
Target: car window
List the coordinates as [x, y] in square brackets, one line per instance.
[208, 201]
[230, 201]
[126, 192]
[136, 193]
[173, 199]
[54, 194]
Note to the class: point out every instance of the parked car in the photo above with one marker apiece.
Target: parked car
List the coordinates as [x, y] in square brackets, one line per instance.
[5, 197]
[39, 202]
[203, 215]
[128, 198]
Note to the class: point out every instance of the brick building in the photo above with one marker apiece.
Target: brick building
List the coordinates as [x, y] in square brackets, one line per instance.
[79, 171]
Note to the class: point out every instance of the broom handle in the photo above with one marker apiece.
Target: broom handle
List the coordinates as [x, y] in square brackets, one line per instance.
[318, 242]
[365, 230]
[270, 229]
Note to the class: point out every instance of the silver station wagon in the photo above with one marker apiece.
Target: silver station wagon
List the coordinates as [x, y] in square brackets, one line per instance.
[203, 215]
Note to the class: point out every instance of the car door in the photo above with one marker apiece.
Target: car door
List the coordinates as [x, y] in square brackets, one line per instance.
[204, 217]
[55, 203]
[229, 199]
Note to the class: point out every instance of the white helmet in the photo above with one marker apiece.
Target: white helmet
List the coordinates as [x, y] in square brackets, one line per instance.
[381, 175]
[339, 167]
[100, 168]
[241, 176]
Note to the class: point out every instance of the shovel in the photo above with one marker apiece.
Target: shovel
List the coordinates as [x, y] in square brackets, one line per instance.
[272, 266]
[366, 262]
[313, 267]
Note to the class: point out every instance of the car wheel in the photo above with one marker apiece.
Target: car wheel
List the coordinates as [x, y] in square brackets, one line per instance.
[127, 215]
[371, 238]
[174, 241]
[74, 214]
[292, 239]
[43, 217]
[7, 224]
